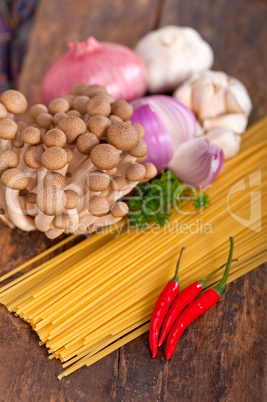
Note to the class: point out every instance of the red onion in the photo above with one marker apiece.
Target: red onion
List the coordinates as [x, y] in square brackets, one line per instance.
[114, 66]
[160, 148]
[197, 162]
[178, 119]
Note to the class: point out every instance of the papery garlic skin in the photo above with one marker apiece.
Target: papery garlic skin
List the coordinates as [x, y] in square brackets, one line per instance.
[221, 104]
[225, 139]
[171, 55]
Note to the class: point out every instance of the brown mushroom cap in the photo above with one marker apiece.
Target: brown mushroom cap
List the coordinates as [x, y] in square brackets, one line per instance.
[118, 183]
[30, 198]
[122, 109]
[58, 105]
[33, 155]
[98, 104]
[105, 193]
[108, 97]
[86, 142]
[97, 180]
[80, 88]
[51, 200]
[74, 113]
[55, 138]
[14, 101]
[55, 179]
[98, 206]
[58, 117]
[24, 192]
[122, 136]
[98, 125]
[18, 142]
[61, 221]
[44, 120]
[112, 172]
[142, 159]
[95, 89]
[151, 170]
[105, 156]
[69, 154]
[72, 199]
[140, 130]
[70, 99]
[140, 149]
[119, 209]
[21, 125]
[72, 126]
[3, 111]
[8, 129]
[31, 135]
[37, 109]
[135, 172]
[80, 103]
[115, 119]
[15, 179]
[8, 159]
[54, 158]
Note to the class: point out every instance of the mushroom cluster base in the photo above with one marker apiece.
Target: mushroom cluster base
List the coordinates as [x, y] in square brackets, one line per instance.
[65, 171]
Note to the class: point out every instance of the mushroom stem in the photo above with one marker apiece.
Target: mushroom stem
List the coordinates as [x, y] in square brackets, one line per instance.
[106, 220]
[43, 222]
[15, 212]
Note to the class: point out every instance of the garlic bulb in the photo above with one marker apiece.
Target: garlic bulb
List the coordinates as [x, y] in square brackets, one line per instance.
[172, 55]
[221, 104]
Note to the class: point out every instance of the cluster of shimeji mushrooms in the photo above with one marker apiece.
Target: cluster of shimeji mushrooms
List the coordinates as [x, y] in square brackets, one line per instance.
[66, 170]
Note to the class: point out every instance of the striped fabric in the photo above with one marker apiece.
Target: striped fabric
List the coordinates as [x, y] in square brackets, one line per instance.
[15, 25]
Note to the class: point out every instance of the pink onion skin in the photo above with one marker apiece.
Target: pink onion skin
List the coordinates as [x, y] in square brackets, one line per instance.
[160, 148]
[197, 162]
[177, 118]
[116, 67]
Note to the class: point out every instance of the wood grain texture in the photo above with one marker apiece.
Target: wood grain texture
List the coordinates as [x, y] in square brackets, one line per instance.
[221, 356]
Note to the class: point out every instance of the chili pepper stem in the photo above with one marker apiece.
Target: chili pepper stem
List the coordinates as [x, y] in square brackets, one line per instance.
[221, 285]
[204, 281]
[176, 277]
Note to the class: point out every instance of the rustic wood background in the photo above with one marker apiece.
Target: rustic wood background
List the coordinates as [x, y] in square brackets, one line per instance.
[221, 356]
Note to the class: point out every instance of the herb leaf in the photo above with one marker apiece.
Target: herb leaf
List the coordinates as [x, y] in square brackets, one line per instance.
[156, 201]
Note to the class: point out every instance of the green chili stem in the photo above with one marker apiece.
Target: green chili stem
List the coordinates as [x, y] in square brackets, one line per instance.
[221, 285]
[176, 277]
[204, 281]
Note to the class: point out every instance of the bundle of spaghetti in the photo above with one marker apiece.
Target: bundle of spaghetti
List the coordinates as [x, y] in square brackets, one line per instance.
[95, 297]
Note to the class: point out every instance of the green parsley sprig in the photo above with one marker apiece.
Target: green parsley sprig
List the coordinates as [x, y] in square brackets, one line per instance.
[155, 201]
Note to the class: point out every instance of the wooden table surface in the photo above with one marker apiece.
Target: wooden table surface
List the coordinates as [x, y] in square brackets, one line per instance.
[221, 356]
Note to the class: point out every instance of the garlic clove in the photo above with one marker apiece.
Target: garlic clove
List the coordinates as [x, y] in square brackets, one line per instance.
[208, 100]
[225, 139]
[199, 131]
[233, 121]
[184, 95]
[237, 98]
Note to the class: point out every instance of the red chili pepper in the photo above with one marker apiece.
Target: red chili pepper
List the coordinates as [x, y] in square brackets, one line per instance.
[197, 307]
[181, 301]
[161, 307]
